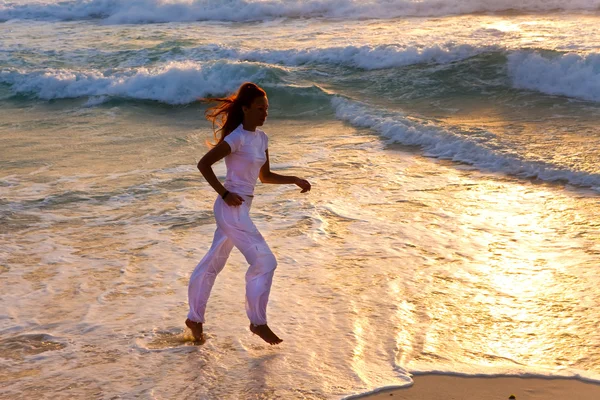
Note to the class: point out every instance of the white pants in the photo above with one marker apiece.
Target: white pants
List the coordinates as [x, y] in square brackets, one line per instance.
[234, 228]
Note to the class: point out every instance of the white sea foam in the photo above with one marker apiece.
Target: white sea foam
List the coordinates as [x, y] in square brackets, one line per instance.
[144, 11]
[365, 57]
[443, 143]
[571, 75]
[96, 100]
[181, 82]
[173, 83]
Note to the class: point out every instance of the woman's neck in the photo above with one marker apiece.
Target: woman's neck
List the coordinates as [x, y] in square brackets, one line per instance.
[248, 127]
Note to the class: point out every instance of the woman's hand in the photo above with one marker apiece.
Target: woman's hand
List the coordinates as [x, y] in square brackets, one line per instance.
[303, 184]
[233, 199]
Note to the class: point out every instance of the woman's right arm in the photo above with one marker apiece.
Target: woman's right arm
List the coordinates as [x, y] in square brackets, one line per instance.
[205, 166]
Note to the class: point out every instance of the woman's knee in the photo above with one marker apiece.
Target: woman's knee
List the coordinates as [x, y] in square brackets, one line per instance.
[266, 258]
[262, 260]
[270, 262]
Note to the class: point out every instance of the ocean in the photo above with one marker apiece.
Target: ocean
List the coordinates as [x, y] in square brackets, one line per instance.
[453, 226]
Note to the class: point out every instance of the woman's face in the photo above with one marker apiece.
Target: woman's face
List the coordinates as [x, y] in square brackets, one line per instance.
[256, 114]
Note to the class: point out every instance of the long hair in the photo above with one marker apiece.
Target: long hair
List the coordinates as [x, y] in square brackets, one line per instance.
[227, 114]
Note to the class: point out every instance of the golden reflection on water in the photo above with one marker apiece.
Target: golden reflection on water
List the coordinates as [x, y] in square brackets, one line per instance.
[358, 364]
[449, 268]
[514, 296]
[503, 26]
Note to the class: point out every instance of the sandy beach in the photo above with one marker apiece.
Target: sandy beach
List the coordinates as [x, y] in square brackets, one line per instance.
[435, 387]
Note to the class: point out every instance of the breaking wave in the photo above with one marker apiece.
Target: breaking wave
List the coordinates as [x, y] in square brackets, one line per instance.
[172, 83]
[154, 11]
[442, 143]
[571, 75]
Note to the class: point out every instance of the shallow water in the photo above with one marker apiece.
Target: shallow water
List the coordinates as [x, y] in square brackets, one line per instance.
[393, 263]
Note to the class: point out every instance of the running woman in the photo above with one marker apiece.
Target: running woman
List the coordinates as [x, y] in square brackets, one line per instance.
[245, 149]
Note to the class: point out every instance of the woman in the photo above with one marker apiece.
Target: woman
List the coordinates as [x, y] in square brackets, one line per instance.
[246, 154]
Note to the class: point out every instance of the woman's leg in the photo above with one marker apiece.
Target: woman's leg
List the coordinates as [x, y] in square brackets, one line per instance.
[239, 228]
[203, 277]
[259, 278]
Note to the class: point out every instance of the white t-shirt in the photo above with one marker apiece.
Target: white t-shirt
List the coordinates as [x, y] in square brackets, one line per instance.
[245, 160]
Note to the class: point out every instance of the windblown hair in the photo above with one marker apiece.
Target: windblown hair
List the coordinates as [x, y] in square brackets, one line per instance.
[227, 114]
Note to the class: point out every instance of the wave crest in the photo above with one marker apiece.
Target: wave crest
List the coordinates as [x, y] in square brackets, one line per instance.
[154, 11]
[441, 143]
[172, 83]
[368, 57]
[571, 75]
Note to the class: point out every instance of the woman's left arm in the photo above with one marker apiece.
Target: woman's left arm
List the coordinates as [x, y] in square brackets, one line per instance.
[267, 176]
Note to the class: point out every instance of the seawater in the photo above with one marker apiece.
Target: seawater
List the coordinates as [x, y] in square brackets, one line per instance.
[452, 226]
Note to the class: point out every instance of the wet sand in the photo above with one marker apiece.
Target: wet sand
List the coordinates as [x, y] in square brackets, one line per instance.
[438, 387]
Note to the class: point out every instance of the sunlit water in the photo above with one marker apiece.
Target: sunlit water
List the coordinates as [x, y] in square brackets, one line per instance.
[453, 224]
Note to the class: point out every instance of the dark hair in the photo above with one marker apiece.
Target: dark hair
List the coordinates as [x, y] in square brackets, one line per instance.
[227, 114]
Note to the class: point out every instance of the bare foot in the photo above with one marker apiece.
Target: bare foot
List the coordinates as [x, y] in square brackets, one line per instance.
[196, 328]
[265, 333]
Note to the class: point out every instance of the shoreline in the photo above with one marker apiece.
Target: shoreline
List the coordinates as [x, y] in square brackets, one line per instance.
[446, 387]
